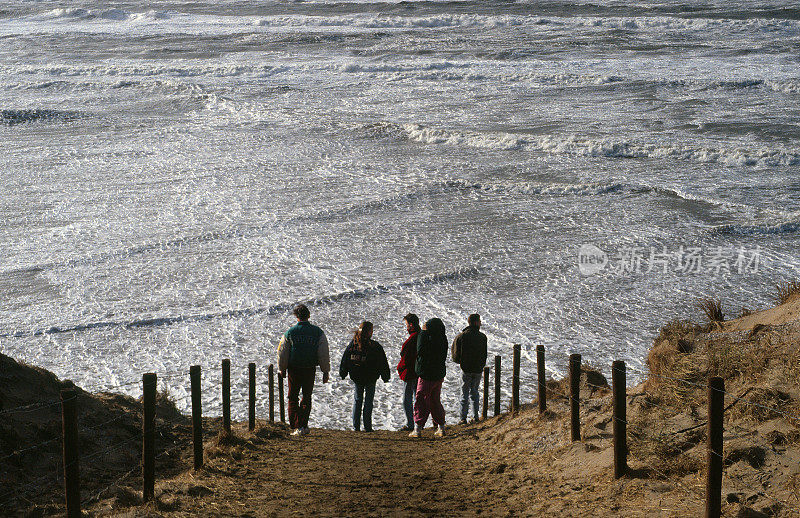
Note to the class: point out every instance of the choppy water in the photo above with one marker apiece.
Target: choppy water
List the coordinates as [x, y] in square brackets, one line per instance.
[176, 175]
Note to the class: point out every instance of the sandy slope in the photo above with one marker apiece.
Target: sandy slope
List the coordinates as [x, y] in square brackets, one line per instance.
[509, 465]
[502, 468]
[779, 315]
[526, 464]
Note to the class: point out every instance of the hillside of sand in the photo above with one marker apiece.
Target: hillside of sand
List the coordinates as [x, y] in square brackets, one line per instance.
[522, 464]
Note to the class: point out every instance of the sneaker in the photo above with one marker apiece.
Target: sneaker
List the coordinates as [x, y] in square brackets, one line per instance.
[297, 432]
[407, 428]
[305, 431]
[439, 432]
[463, 421]
[416, 432]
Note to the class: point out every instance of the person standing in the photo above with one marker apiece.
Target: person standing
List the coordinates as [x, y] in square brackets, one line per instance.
[365, 361]
[406, 368]
[470, 351]
[301, 349]
[430, 368]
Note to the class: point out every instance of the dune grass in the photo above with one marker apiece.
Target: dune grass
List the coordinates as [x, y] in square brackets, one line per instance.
[712, 308]
[787, 292]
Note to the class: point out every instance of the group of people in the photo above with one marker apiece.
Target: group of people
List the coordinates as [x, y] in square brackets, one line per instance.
[421, 368]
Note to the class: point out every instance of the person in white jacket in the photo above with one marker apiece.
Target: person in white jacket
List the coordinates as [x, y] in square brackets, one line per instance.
[301, 349]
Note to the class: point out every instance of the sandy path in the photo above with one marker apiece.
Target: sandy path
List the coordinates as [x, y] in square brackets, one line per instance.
[332, 473]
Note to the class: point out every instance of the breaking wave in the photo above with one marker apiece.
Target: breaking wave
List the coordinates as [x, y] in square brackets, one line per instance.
[108, 14]
[397, 202]
[14, 117]
[283, 307]
[582, 146]
[348, 211]
[786, 227]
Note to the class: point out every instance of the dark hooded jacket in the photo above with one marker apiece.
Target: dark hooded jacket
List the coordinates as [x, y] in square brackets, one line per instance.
[432, 351]
[469, 350]
[365, 367]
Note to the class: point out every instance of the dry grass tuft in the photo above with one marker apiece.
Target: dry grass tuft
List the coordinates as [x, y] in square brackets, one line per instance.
[665, 453]
[793, 484]
[676, 330]
[226, 444]
[592, 380]
[712, 308]
[125, 497]
[727, 358]
[764, 364]
[787, 292]
[165, 405]
[762, 404]
[671, 359]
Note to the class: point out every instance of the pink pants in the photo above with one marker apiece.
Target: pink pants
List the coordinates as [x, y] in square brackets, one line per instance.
[428, 402]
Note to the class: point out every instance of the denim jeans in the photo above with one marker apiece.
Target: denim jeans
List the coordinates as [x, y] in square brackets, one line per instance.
[408, 400]
[364, 395]
[470, 389]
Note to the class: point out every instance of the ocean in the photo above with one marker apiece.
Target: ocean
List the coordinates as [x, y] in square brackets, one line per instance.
[175, 176]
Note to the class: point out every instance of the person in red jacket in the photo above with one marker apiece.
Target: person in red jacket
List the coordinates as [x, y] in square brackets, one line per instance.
[405, 368]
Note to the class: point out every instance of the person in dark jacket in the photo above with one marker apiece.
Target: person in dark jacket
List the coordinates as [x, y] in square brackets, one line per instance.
[469, 351]
[406, 368]
[365, 361]
[430, 368]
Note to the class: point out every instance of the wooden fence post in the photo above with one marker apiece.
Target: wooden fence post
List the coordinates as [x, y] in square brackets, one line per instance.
[280, 398]
[497, 385]
[149, 382]
[485, 411]
[226, 395]
[620, 419]
[716, 409]
[251, 407]
[515, 379]
[574, 395]
[271, 393]
[197, 416]
[541, 380]
[72, 481]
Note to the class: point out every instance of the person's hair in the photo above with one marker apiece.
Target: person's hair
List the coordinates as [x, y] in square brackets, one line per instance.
[360, 337]
[474, 319]
[301, 312]
[412, 319]
[435, 326]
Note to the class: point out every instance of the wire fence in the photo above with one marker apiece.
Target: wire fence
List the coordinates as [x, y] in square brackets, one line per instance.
[31, 408]
[662, 442]
[125, 416]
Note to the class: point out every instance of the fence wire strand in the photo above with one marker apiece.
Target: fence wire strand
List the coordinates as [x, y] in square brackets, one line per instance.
[32, 407]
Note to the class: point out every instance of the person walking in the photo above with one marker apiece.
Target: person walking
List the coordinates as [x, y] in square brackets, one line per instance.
[406, 368]
[301, 349]
[365, 361]
[430, 368]
[469, 351]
